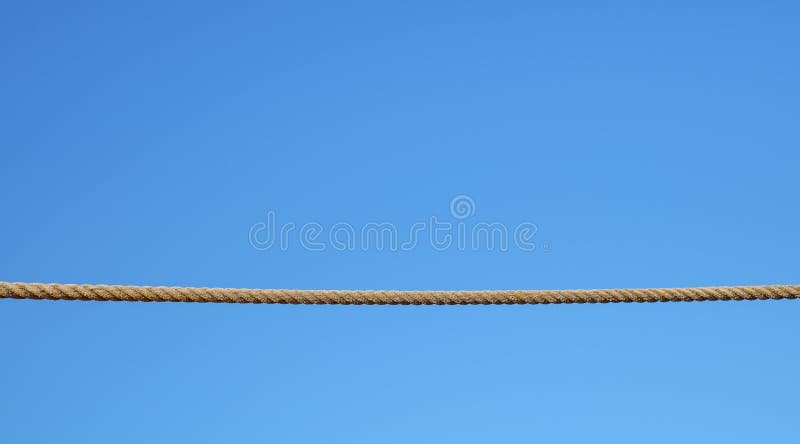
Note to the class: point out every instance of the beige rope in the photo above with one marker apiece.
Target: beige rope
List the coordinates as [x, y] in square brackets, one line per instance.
[18, 290]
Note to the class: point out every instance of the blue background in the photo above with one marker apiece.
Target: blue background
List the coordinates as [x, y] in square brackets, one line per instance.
[653, 144]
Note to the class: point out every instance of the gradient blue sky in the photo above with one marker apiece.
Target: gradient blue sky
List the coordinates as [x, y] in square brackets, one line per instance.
[653, 143]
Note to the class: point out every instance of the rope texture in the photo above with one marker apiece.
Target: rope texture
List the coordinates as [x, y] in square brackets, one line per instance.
[18, 290]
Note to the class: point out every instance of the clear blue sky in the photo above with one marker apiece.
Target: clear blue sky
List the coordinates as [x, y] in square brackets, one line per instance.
[651, 144]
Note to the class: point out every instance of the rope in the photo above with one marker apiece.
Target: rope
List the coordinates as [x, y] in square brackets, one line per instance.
[17, 290]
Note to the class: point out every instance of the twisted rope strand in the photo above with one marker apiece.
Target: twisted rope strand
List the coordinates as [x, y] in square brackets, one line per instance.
[20, 290]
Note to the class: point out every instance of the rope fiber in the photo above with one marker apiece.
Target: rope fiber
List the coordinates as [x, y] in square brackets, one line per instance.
[18, 290]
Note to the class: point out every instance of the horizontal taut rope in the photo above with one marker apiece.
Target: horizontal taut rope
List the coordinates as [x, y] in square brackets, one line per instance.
[19, 290]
